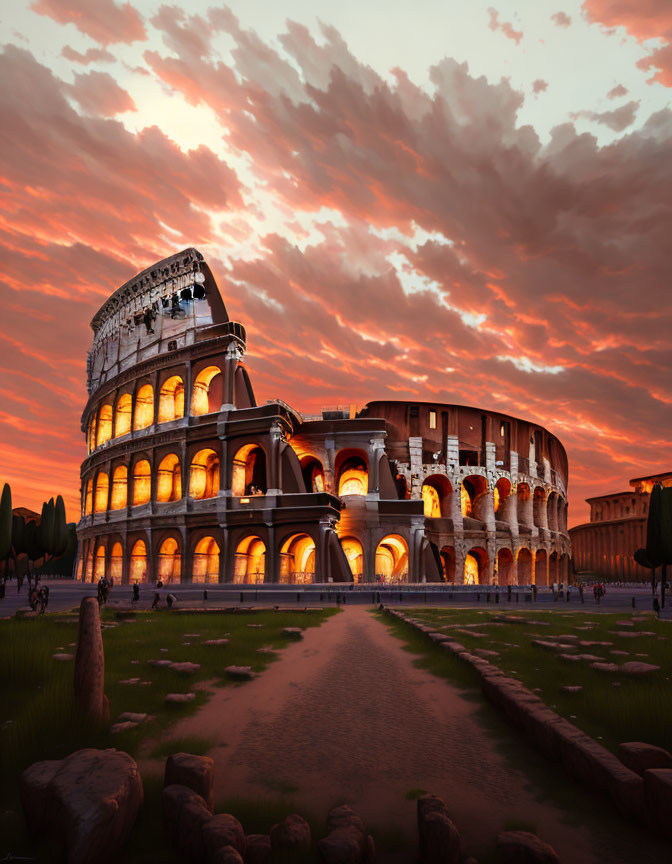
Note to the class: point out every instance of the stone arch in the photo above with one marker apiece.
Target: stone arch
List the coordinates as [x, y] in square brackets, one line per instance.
[564, 568]
[104, 424]
[249, 470]
[541, 567]
[437, 492]
[169, 479]
[500, 496]
[312, 470]
[119, 496]
[448, 563]
[504, 566]
[102, 492]
[205, 561]
[142, 482]
[123, 415]
[99, 569]
[476, 566]
[143, 412]
[524, 505]
[473, 492]
[170, 560]
[249, 562]
[207, 391]
[297, 559]
[553, 568]
[171, 399]
[539, 507]
[117, 562]
[354, 552]
[204, 474]
[91, 433]
[138, 570]
[524, 561]
[552, 511]
[351, 469]
[391, 564]
[88, 497]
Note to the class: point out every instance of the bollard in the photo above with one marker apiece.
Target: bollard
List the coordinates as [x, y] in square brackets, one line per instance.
[478, 597]
[241, 596]
[497, 597]
[205, 594]
[634, 603]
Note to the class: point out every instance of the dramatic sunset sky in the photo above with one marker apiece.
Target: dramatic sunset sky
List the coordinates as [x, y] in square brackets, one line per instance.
[433, 200]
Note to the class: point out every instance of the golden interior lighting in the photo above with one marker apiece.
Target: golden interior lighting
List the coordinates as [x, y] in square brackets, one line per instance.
[124, 415]
[170, 564]
[89, 566]
[204, 474]
[203, 391]
[116, 562]
[249, 563]
[138, 571]
[355, 555]
[353, 481]
[142, 482]
[471, 570]
[102, 489]
[465, 501]
[297, 560]
[119, 488]
[497, 499]
[431, 502]
[99, 565]
[91, 434]
[88, 501]
[171, 400]
[248, 475]
[206, 561]
[169, 479]
[104, 425]
[144, 407]
[392, 559]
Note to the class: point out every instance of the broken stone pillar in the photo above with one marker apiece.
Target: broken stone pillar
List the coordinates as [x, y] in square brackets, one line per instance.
[90, 664]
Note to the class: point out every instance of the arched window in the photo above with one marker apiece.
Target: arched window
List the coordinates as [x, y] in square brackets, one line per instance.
[138, 572]
[116, 562]
[313, 474]
[119, 488]
[88, 501]
[541, 567]
[206, 396]
[170, 564]
[142, 482]
[539, 507]
[102, 489]
[99, 565]
[355, 555]
[448, 563]
[248, 476]
[91, 434]
[524, 567]
[297, 559]
[504, 567]
[352, 472]
[104, 432]
[392, 559]
[204, 474]
[472, 491]
[89, 564]
[171, 399]
[124, 415]
[436, 494]
[169, 479]
[500, 495]
[476, 567]
[249, 564]
[205, 567]
[144, 407]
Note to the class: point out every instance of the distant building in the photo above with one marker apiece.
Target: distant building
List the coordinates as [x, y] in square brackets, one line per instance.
[188, 479]
[617, 528]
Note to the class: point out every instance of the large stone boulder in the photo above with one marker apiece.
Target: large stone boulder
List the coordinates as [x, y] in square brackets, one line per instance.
[639, 757]
[257, 849]
[89, 802]
[223, 830]
[90, 664]
[347, 841]
[226, 855]
[290, 835]
[658, 787]
[184, 814]
[196, 772]
[520, 847]
[438, 838]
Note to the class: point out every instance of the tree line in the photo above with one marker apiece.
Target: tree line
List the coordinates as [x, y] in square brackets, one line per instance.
[51, 539]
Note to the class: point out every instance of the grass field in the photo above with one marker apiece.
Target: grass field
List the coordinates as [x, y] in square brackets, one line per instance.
[38, 719]
[611, 707]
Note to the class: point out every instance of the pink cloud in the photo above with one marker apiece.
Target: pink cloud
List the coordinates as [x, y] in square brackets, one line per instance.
[617, 91]
[105, 21]
[505, 26]
[561, 19]
[98, 93]
[618, 119]
[539, 86]
[91, 55]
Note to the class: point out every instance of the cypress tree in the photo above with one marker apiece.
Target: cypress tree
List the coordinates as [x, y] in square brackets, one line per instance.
[60, 527]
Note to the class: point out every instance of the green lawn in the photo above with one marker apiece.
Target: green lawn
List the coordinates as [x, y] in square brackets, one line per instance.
[637, 709]
[37, 714]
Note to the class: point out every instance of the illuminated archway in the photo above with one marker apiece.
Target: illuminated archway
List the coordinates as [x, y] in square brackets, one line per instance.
[553, 568]
[91, 434]
[355, 555]
[448, 563]
[472, 490]
[249, 564]
[297, 559]
[392, 559]
[170, 563]
[169, 479]
[504, 567]
[143, 415]
[206, 395]
[313, 474]
[116, 562]
[99, 565]
[138, 569]
[119, 488]
[102, 490]
[430, 502]
[89, 564]
[541, 567]
[104, 432]
[476, 567]
[524, 567]
[539, 507]
[88, 499]
[352, 472]
[204, 474]
[124, 415]
[142, 482]
[205, 566]
[501, 494]
[171, 399]
[248, 475]
[436, 492]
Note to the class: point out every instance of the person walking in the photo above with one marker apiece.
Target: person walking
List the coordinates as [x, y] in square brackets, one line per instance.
[156, 600]
[136, 593]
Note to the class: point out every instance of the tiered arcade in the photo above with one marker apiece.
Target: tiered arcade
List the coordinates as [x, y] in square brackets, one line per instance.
[188, 479]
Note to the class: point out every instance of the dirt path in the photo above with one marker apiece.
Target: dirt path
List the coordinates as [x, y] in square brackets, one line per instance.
[344, 716]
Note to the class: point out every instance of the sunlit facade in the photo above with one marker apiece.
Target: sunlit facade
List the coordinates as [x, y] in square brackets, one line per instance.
[187, 479]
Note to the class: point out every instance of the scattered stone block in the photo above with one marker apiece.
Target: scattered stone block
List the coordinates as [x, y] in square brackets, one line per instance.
[625, 623]
[658, 790]
[178, 698]
[34, 792]
[120, 727]
[258, 849]
[195, 772]
[290, 835]
[605, 667]
[185, 668]
[439, 838]
[63, 658]
[572, 688]
[130, 681]
[635, 667]
[160, 664]
[618, 653]
[640, 757]
[215, 642]
[521, 847]
[587, 643]
[221, 831]
[240, 673]
[225, 855]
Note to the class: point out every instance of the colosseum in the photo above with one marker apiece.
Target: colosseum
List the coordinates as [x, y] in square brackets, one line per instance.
[188, 479]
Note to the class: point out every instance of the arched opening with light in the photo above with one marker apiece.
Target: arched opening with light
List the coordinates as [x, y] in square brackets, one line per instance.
[553, 568]
[204, 474]
[119, 497]
[248, 475]
[171, 399]
[500, 495]
[524, 567]
[138, 569]
[206, 394]
[123, 415]
[102, 491]
[143, 415]
[99, 566]
[504, 567]
[436, 494]
[104, 432]
[169, 479]
[355, 555]
[392, 559]
[472, 490]
[541, 567]
[448, 563]
[142, 482]
[170, 561]
[297, 560]
[205, 566]
[116, 562]
[352, 472]
[476, 567]
[88, 498]
[249, 564]
[313, 473]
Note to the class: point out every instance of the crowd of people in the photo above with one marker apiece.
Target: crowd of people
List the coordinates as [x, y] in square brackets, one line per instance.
[37, 595]
[105, 585]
